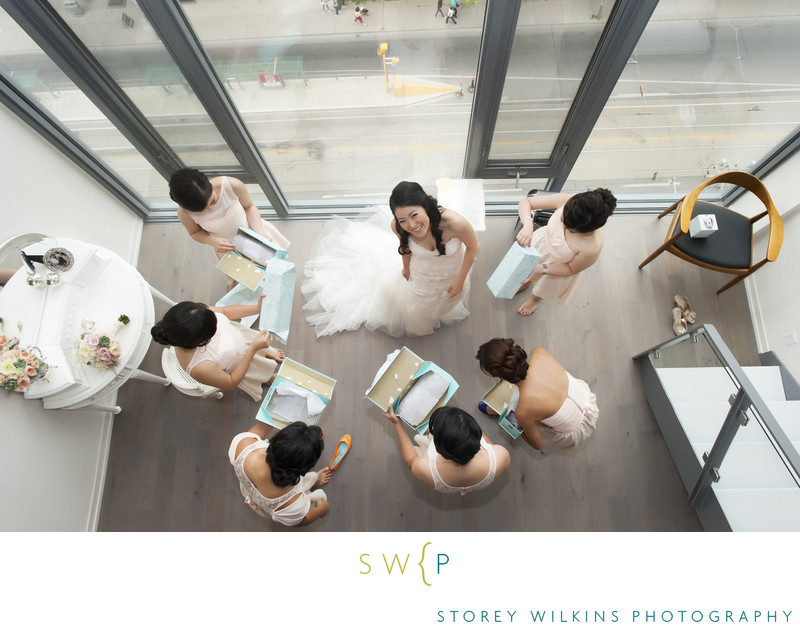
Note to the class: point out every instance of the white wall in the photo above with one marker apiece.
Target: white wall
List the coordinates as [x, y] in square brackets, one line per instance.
[774, 291]
[52, 463]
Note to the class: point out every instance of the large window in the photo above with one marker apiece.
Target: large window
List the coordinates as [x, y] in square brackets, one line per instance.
[318, 112]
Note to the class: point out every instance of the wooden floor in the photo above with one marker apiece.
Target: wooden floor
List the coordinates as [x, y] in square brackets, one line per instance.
[168, 468]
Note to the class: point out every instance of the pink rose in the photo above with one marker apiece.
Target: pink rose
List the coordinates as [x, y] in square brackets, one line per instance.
[92, 340]
[23, 383]
[30, 371]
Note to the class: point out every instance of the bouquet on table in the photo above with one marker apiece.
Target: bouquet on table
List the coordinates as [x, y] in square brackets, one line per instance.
[19, 367]
[100, 350]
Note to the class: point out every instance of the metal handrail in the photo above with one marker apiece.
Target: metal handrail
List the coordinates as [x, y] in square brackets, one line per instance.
[764, 416]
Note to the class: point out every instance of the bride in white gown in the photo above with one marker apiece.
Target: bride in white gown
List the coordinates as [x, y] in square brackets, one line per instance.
[358, 274]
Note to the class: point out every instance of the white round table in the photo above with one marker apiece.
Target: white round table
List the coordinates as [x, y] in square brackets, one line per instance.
[100, 286]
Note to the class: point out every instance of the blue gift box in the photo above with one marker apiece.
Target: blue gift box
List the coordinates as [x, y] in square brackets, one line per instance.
[302, 376]
[516, 266]
[276, 307]
[247, 262]
[397, 375]
[498, 398]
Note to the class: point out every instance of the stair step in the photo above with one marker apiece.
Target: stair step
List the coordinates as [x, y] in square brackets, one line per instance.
[702, 421]
[749, 465]
[714, 384]
[761, 509]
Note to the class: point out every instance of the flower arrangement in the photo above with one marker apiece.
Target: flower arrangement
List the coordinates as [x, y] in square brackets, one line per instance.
[99, 350]
[19, 367]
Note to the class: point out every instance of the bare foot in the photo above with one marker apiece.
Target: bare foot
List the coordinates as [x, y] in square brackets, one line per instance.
[275, 354]
[323, 477]
[529, 306]
[523, 286]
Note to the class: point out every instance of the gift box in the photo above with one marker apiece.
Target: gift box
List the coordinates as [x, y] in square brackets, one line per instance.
[291, 371]
[498, 399]
[398, 375]
[276, 307]
[702, 225]
[252, 253]
[516, 266]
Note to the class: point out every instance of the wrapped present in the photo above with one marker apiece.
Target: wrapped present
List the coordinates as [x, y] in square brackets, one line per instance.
[502, 398]
[702, 226]
[401, 371]
[247, 262]
[314, 383]
[516, 266]
[276, 307]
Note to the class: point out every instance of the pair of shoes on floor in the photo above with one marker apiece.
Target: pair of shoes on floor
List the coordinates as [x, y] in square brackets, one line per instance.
[682, 315]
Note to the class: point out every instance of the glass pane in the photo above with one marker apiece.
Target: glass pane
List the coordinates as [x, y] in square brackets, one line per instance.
[705, 91]
[553, 44]
[131, 52]
[38, 76]
[312, 89]
[509, 190]
[757, 489]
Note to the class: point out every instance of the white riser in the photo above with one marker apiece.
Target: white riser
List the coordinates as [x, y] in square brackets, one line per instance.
[713, 384]
[750, 465]
[761, 510]
[702, 421]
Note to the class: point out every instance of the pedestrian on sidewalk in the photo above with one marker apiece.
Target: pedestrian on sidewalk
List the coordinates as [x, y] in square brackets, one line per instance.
[439, 9]
[326, 6]
[359, 16]
[336, 7]
[451, 15]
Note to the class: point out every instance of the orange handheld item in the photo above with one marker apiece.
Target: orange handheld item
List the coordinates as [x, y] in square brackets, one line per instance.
[342, 449]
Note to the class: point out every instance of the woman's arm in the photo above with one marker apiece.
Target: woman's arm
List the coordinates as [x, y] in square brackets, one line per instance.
[459, 227]
[407, 450]
[219, 244]
[406, 257]
[250, 208]
[237, 311]
[209, 373]
[526, 207]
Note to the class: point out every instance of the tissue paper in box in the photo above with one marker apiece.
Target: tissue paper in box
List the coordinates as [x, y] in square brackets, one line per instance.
[516, 266]
[246, 263]
[276, 307]
[293, 372]
[502, 398]
[397, 376]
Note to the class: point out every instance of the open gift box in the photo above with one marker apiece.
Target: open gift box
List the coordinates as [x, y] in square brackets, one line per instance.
[513, 270]
[246, 263]
[291, 371]
[498, 399]
[396, 377]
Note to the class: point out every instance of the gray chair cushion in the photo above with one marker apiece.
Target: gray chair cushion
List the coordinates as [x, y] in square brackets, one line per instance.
[730, 247]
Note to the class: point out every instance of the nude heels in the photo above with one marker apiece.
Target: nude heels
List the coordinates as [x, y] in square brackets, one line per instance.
[678, 322]
[686, 309]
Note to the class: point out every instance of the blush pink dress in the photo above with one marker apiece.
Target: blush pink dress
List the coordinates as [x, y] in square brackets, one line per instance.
[575, 421]
[227, 347]
[551, 243]
[227, 215]
[426, 447]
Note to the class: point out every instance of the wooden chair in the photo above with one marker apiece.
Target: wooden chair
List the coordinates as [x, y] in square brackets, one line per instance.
[730, 248]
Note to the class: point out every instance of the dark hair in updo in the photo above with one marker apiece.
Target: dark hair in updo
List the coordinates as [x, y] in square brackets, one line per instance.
[293, 452]
[504, 359]
[588, 211]
[456, 434]
[186, 325]
[407, 194]
[190, 189]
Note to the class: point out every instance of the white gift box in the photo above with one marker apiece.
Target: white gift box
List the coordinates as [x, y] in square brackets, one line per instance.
[702, 225]
[516, 266]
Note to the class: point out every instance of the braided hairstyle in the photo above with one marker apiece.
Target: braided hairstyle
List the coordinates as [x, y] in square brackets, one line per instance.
[190, 189]
[186, 325]
[293, 452]
[456, 434]
[407, 194]
[588, 211]
[504, 359]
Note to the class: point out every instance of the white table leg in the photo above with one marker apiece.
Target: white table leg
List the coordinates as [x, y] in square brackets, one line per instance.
[141, 375]
[115, 409]
[161, 296]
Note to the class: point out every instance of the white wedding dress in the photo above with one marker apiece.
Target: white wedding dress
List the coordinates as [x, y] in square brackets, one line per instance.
[354, 277]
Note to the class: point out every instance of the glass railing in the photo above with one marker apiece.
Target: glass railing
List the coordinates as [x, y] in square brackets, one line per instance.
[741, 428]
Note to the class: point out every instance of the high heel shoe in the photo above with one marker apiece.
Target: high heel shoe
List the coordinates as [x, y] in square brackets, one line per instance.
[686, 309]
[678, 322]
[342, 449]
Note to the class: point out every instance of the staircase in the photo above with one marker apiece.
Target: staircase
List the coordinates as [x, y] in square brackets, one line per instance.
[732, 432]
